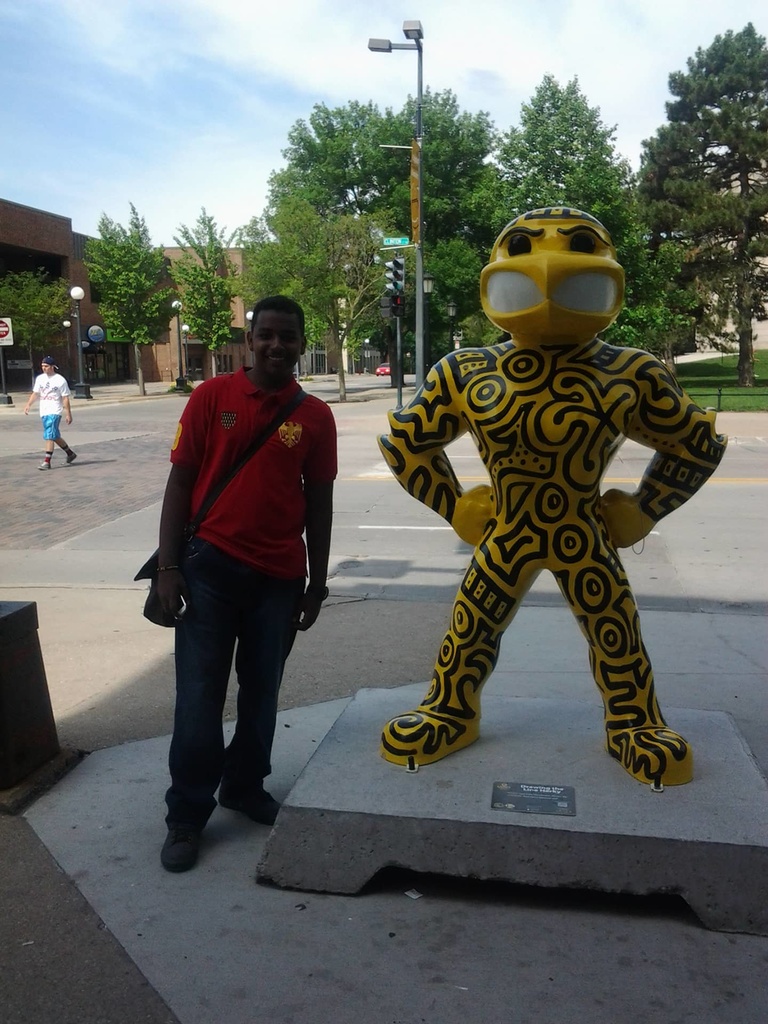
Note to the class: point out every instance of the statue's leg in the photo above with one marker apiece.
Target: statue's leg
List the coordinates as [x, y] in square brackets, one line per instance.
[449, 716]
[636, 734]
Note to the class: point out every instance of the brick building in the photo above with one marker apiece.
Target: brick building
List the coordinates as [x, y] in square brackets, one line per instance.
[33, 239]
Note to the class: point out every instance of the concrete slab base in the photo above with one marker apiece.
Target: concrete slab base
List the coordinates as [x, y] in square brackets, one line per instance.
[351, 813]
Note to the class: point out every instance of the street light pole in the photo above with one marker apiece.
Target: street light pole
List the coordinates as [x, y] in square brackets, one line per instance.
[452, 311]
[82, 390]
[176, 306]
[67, 324]
[413, 31]
[428, 283]
[185, 336]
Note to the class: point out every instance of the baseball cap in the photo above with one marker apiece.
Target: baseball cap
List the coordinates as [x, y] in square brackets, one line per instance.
[48, 360]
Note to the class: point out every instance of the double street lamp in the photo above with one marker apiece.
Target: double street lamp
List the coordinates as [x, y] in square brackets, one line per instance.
[82, 390]
[413, 31]
[180, 382]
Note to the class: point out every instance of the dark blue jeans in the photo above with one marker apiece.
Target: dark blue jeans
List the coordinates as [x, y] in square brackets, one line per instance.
[230, 605]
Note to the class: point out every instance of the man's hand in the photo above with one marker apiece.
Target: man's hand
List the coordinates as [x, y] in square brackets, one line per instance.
[473, 510]
[307, 610]
[625, 521]
[172, 591]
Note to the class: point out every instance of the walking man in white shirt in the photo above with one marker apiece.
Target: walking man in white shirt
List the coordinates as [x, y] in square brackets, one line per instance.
[53, 391]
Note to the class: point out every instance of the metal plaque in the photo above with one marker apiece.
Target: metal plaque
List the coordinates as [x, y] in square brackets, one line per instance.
[533, 799]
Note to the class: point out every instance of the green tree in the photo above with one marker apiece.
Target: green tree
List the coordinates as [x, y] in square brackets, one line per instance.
[328, 263]
[129, 274]
[704, 180]
[206, 276]
[36, 306]
[339, 161]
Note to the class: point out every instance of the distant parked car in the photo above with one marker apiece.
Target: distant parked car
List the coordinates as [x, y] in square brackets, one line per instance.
[383, 370]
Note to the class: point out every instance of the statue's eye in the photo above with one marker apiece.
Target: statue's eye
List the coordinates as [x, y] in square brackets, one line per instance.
[518, 244]
[582, 241]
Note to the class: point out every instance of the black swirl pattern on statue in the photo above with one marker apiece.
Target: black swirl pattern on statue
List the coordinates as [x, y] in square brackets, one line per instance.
[646, 754]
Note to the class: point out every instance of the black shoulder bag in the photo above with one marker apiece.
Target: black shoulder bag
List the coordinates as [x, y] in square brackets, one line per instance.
[152, 607]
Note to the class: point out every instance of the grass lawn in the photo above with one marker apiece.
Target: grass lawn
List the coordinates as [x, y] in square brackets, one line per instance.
[702, 379]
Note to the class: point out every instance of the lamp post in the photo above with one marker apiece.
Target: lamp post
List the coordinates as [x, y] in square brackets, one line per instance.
[177, 307]
[427, 284]
[82, 390]
[413, 31]
[452, 311]
[185, 336]
[66, 324]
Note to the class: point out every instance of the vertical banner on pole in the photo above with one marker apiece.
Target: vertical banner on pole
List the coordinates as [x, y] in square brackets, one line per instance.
[415, 205]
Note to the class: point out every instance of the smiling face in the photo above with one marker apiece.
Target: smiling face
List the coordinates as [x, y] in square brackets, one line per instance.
[276, 341]
[553, 274]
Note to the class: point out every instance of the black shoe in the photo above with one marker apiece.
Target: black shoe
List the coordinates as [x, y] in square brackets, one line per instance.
[261, 808]
[180, 849]
[71, 456]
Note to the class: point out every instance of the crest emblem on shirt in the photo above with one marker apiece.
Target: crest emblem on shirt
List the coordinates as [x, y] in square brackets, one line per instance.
[290, 434]
[228, 420]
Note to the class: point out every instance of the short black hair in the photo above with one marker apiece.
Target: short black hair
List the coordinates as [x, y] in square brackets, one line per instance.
[280, 304]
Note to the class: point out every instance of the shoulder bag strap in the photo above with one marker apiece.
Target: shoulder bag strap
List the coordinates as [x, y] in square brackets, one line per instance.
[268, 431]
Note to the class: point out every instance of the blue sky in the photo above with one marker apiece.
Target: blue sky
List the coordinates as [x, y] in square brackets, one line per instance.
[175, 106]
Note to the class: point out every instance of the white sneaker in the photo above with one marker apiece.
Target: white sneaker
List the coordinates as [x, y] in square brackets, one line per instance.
[44, 465]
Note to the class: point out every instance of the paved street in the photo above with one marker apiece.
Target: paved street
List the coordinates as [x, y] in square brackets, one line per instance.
[71, 541]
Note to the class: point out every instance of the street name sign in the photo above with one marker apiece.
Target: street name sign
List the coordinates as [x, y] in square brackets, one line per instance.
[395, 241]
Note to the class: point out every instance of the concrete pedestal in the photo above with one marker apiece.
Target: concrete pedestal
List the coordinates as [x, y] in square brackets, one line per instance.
[351, 813]
[27, 729]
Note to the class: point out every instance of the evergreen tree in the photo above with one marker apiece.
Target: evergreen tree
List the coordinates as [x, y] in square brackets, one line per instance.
[704, 179]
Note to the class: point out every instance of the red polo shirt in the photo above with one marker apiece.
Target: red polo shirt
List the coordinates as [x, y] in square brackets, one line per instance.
[260, 516]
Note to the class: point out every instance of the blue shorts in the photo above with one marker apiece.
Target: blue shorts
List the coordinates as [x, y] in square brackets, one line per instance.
[51, 427]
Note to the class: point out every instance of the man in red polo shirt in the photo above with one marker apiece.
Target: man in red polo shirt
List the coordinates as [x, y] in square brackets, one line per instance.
[239, 583]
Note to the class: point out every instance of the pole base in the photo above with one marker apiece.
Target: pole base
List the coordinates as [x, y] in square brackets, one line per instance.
[6, 400]
[83, 391]
[181, 383]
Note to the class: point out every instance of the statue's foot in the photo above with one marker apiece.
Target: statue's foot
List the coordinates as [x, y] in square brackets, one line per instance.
[652, 755]
[423, 736]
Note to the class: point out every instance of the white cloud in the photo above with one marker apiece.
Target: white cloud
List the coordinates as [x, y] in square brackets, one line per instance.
[183, 105]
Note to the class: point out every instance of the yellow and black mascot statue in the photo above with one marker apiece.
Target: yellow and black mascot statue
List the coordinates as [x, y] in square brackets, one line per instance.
[548, 410]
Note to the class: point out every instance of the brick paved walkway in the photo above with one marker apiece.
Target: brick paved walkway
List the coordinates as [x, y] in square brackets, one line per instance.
[109, 479]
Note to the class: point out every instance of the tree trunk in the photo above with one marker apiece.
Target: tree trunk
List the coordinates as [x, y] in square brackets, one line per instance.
[139, 370]
[744, 330]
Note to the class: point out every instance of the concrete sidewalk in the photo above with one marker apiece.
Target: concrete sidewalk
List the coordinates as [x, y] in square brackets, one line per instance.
[216, 946]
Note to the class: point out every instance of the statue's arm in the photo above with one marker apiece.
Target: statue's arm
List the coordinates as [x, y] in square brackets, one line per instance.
[419, 433]
[688, 451]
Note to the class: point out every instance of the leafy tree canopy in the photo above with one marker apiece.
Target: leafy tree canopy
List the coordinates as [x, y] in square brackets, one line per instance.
[129, 273]
[36, 306]
[206, 276]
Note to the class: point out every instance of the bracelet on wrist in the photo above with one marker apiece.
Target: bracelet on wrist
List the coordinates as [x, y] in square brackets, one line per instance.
[166, 568]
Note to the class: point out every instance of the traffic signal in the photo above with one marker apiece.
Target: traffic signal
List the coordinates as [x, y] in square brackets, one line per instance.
[395, 275]
[398, 304]
[385, 306]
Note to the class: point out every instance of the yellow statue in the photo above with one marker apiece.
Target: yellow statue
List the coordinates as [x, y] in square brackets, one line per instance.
[548, 410]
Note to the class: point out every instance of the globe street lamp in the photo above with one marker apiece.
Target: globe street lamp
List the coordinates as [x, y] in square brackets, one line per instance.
[176, 307]
[452, 311]
[185, 336]
[82, 390]
[66, 324]
[427, 283]
[413, 31]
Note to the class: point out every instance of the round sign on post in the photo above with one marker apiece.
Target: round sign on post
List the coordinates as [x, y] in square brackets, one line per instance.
[6, 331]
